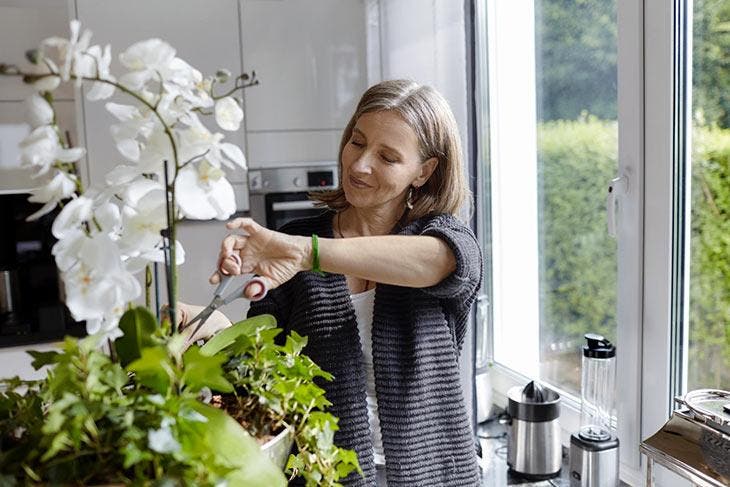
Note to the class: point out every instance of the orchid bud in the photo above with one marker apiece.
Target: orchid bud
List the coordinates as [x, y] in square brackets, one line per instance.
[33, 56]
[222, 75]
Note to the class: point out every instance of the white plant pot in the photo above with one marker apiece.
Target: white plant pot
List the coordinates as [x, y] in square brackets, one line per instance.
[278, 447]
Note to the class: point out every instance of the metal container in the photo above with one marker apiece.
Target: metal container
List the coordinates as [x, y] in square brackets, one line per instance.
[534, 451]
[695, 442]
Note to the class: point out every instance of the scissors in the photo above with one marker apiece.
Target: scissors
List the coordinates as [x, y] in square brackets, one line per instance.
[219, 299]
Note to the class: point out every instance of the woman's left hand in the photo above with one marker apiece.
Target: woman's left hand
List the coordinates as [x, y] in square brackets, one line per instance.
[274, 256]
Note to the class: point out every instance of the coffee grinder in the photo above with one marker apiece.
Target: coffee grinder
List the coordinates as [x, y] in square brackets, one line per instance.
[594, 458]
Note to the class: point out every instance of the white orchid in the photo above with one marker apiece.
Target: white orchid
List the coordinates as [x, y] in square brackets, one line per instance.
[143, 217]
[113, 230]
[61, 187]
[100, 61]
[228, 114]
[198, 141]
[206, 193]
[71, 51]
[41, 149]
[39, 111]
[146, 60]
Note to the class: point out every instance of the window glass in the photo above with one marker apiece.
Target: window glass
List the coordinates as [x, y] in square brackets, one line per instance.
[709, 285]
[577, 157]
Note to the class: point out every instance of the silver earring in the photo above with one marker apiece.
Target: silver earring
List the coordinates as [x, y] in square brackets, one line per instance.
[409, 199]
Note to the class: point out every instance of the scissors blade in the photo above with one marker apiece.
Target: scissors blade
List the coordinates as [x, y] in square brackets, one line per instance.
[202, 317]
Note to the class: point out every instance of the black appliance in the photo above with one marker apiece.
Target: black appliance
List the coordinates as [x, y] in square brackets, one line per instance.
[32, 310]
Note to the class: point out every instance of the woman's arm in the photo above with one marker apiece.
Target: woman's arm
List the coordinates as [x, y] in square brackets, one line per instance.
[413, 261]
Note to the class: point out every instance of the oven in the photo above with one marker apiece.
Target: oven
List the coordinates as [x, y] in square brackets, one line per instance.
[279, 194]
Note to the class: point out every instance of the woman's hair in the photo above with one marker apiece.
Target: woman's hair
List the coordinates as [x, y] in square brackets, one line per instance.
[430, 117]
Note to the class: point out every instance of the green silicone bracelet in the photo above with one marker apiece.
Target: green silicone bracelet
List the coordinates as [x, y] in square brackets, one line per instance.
[315, 255]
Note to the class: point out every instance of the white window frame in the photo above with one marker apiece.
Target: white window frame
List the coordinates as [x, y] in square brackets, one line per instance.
[646, 378]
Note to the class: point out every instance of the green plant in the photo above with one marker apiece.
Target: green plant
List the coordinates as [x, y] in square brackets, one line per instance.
[140, 420]
[275, 386]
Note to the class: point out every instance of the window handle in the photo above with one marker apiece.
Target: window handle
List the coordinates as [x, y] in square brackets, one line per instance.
[618, 187]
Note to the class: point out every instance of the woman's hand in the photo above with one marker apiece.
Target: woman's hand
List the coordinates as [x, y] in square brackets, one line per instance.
[275, 257]
[215, 323]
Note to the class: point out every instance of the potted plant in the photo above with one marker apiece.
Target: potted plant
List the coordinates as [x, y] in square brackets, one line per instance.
[131, 403]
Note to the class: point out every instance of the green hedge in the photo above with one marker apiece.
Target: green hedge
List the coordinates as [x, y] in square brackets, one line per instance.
[709, 312]
[578, 259]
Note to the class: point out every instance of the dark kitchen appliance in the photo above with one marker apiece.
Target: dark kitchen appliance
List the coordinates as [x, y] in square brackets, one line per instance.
[695, 442]
[534, 450]
[594, 448]
[31, 310]
[279, 194]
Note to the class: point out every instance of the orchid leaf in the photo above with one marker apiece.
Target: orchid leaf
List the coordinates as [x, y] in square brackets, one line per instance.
[247, 327]
[138, 325]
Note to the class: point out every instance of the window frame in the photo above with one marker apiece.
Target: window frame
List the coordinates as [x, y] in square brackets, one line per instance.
[651, 284]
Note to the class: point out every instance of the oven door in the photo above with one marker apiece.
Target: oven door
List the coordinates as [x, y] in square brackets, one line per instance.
[284, 207]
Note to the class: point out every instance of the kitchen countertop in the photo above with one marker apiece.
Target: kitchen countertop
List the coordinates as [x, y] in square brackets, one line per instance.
[495, 471]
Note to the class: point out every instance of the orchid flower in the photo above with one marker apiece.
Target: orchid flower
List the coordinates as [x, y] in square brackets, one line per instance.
[207, 194]
[228, 114]
[41, 149]
[39, 111]
[114, 229]
[61, 187]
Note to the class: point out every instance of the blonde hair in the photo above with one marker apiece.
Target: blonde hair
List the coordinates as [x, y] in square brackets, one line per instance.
[430, 117]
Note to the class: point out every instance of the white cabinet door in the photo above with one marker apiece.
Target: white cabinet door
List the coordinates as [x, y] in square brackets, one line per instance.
[204, 33]
[311, 59]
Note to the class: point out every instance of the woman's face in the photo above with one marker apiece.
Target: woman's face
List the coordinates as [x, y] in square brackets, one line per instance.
[380, 162]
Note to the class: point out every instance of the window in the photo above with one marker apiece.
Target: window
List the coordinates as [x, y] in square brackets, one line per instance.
[554, 150]
[708, 354]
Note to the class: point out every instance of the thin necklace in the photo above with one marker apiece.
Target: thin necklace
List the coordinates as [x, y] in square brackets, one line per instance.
[339, 232]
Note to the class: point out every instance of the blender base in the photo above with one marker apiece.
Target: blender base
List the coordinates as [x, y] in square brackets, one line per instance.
[593, 463]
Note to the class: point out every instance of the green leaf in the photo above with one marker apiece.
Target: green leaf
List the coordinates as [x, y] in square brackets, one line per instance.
[154, 369]
[229, 443]
[295, 343]
[247, 327]
[138, 325]
[59, 442]
[41, 359]
[204, 371]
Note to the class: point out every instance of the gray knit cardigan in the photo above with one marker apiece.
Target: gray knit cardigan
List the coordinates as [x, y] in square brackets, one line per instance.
[417, 335]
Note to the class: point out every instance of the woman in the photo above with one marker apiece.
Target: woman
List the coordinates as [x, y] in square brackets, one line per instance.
[387, 313]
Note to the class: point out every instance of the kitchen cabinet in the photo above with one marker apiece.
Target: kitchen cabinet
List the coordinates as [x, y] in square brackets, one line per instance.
[205, 34]
[311, 57]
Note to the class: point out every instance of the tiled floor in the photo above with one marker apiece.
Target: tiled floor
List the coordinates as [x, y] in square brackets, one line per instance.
[494, 460]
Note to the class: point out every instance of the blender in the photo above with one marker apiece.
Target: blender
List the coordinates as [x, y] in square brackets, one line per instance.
[594, 456]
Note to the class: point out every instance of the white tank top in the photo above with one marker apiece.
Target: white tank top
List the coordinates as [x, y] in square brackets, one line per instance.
[363, 304]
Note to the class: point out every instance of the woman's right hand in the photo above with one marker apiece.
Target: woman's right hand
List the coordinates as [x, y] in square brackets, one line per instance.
[274, 256]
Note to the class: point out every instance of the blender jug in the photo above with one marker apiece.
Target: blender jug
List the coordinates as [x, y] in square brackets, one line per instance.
[594, 448]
